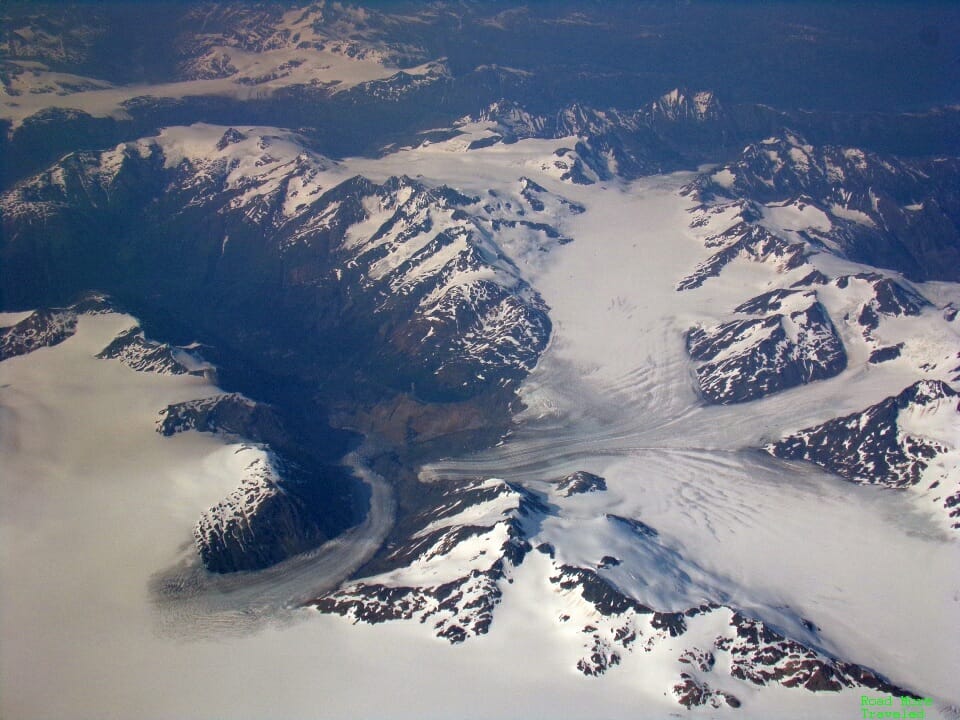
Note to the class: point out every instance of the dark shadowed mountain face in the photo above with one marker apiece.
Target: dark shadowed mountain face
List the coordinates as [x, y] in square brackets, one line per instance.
[271, 261]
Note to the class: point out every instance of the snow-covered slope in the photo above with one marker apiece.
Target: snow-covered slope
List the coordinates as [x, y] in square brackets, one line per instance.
[257, 525]
[423, 271]
[908, 440]
[884, 211]
[450, 573]
[273, 514]
[854, 313]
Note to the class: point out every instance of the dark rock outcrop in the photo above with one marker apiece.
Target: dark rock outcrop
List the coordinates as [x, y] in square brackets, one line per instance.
[869, 446]
[581, 482]
[47, 327]
[748, 359]
[230, 413]
[134, 350]
[43, 328]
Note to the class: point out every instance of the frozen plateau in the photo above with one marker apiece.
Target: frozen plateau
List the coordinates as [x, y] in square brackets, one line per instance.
[522, 406]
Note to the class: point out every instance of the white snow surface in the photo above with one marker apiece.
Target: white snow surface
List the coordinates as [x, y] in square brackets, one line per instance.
[94, 502]
[842, 211]
[795, 215]
[256, 75]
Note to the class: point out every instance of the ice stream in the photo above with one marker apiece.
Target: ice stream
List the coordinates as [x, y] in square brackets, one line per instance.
[615, 394]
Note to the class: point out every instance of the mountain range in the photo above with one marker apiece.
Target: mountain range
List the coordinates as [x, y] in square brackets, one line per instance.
[486, 352]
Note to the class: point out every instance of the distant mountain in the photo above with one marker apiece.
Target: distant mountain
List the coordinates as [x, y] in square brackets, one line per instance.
[669, 133]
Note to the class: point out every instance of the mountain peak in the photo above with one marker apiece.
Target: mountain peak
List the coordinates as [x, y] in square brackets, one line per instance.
[682, 104]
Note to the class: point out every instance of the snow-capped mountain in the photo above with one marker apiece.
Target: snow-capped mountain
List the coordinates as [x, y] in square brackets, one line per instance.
[47, 327]
[268, 31]
[663, 135]
[135, 350]
[444, 280]
[746, 359]
[240, 52]
[51, 326]
[682, 105]
[415, 270]
[408, 279]
[907, 440]
[887, 212]
[39, 329]
[285, 503]
[773, 209]
[450, 572]
[262, 522]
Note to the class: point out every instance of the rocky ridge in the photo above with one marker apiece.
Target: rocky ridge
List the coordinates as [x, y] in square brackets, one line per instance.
[415, 270]
[748, 359]
[780, 206]
[610, 142]
[882, 210]
[43, 328]
[47, 327]
[903, 441]
[451, 570]
[139, 353]
[281, 507]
